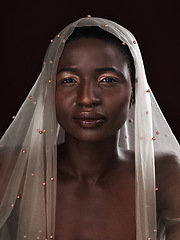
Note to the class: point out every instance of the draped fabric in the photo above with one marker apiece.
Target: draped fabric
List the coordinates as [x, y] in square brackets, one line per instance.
[28, 149]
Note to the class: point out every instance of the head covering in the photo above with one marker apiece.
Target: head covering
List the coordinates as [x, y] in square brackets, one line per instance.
[28, 149]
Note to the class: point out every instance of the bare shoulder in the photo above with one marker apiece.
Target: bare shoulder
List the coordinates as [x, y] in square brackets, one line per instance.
[124, 168]
[8, 157]
[169, 158]
[127, 156]
[168, 195]
[168, 171]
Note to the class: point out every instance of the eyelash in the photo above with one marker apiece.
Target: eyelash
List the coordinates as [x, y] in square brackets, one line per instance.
[74, 81]
[65, 81]
[112, 80]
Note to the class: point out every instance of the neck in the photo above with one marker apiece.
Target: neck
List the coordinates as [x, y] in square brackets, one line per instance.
[88, 159]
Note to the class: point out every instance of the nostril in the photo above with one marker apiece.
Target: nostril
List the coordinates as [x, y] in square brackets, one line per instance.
[88, 102]
[88, 97]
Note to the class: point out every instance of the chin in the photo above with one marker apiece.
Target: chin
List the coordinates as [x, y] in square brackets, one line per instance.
[90, 136]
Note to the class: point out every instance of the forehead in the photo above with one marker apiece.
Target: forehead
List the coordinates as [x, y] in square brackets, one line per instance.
[91, 50]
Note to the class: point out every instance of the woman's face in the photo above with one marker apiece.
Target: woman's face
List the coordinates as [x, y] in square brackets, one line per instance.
[93, 89]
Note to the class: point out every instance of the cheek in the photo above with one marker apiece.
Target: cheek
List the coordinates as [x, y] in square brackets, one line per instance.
[65, 102]
[61, 106]
[119, 106]
[119, 99]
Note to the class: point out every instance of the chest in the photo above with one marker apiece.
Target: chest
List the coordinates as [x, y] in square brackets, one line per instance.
[95, 213]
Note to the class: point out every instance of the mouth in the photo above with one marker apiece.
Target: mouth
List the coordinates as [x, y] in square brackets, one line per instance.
[89, 119]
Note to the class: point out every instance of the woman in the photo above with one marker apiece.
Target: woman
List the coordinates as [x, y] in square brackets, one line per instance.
[104, 178]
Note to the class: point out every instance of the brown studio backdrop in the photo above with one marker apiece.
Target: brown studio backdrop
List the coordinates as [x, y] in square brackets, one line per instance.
[28, 27]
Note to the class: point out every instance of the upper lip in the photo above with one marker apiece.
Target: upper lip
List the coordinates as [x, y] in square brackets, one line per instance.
[89, 115]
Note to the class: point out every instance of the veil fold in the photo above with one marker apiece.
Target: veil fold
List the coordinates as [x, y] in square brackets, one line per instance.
[28, 149]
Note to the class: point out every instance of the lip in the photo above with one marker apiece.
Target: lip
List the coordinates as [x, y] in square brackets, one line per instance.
[89, 119]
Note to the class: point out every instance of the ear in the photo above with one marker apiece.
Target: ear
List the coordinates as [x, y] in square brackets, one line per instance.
[132, 100]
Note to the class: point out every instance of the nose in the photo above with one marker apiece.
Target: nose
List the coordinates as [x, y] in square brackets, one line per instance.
[88, 94]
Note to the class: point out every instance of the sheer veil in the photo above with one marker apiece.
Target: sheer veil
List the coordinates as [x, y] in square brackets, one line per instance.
[28, 157]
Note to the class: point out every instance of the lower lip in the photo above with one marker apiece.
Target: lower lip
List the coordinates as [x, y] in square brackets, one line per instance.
[89, 123]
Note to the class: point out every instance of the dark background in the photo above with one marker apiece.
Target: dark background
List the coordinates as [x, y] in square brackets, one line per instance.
[28, 26]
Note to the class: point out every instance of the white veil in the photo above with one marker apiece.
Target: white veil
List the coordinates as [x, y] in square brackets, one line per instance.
[28, 157]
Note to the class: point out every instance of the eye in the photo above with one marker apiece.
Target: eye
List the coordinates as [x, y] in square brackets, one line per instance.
[106, 80]
[67, 81]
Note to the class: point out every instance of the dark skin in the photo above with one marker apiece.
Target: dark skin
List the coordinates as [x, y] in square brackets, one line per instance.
[96, 181]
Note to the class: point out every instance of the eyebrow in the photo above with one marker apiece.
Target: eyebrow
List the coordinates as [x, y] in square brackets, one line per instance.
[109, 69]
[74, 70]
[105, 69]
